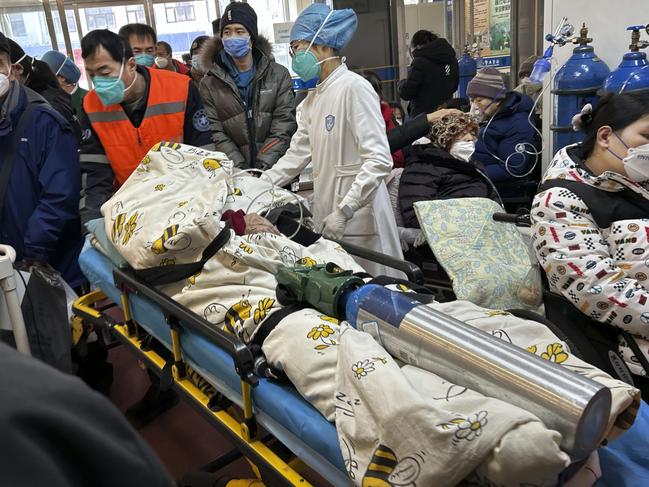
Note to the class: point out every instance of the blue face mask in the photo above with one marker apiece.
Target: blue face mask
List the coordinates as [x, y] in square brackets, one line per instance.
[110, 89]
[237, 47]
[144, 59]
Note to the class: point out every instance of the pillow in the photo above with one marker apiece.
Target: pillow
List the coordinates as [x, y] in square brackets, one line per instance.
[97, 229]
[487, 261]
[169, 210]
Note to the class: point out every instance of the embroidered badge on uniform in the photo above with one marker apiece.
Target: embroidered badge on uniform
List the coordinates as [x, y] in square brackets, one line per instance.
[200, 121]
[330, 121]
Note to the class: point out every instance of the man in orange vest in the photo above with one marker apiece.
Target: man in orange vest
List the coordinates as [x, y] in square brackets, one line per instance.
[130, 109]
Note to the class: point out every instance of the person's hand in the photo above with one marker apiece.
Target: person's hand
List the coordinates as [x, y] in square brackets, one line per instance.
[421, 239]
[334, 225]
[258, 224]
[434, 116]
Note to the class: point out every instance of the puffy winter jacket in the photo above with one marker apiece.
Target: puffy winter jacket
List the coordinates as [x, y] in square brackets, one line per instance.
[432, 79]
[434, 174]
[40, 217]
[499, 137]
[590, 234]
[269, 123]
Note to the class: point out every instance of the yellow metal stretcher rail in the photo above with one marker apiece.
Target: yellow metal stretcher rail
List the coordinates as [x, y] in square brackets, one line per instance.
[243, 434]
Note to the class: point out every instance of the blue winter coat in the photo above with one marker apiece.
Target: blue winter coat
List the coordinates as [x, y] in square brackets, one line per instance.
[499, 138]
[40, 217]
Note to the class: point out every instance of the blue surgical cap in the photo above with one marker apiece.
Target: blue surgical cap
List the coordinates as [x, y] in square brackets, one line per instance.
[336, 33]
[62, 65]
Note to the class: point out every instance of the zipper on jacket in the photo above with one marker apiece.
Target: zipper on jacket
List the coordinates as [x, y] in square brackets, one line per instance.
[139, 140]
[252, 136]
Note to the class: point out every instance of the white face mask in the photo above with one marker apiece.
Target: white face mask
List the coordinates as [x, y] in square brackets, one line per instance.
[463, 150]
[161, 62]
[4, 84]
[74, 90]
[636, 163]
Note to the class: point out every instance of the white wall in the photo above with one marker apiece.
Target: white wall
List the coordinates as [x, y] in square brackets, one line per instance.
[429, 16]
[606, 21]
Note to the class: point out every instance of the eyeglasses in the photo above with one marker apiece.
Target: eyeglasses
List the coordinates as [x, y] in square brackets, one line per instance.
[293, 48]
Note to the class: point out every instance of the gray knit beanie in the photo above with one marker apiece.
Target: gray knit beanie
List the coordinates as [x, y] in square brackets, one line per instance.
[488, 83]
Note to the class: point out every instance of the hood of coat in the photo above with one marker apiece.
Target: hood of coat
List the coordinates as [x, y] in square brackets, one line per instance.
[438, 51]
[568, 164]
[212, 47]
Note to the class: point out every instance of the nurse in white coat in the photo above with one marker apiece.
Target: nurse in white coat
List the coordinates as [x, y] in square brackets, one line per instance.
[341, 131]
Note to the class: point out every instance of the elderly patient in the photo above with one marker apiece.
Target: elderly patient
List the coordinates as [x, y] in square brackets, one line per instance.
[445, 168]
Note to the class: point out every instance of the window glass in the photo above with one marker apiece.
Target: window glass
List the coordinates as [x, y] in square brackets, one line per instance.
[135, 14]
[179, 23]
[100, 18]
[27, 27]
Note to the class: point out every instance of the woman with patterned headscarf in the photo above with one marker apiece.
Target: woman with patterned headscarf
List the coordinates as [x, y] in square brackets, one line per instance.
[444, 169]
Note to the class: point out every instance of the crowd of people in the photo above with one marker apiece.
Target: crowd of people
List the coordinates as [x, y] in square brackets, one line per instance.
[66, 149]
[234, 98]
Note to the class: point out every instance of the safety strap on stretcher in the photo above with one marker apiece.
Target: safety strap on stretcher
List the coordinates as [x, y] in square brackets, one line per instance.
[156, 276]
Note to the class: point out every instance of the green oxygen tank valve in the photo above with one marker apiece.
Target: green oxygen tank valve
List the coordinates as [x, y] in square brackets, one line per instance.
[325, 287]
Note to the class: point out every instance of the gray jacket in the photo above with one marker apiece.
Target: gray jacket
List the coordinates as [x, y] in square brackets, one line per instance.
[273, 114]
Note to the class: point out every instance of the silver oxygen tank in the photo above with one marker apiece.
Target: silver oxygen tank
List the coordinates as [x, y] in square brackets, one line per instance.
[569, 403]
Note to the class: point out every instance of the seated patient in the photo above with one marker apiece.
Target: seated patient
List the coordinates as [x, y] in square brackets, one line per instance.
[507, 140]
[590, 226]
[444, 169]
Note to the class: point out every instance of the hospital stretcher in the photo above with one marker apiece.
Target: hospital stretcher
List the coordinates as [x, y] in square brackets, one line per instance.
[262, 407]
[227, 365]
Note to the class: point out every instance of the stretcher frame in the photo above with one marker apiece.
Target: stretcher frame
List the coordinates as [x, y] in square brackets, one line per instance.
[241, 428]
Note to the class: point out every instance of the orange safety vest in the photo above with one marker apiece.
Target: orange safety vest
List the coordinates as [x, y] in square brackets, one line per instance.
[164, 120]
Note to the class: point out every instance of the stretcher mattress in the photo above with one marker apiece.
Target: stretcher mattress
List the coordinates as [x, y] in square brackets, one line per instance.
[299, 426]
[278, 407]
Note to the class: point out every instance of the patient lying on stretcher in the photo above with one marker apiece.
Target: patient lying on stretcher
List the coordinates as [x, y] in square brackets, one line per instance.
[397, 424]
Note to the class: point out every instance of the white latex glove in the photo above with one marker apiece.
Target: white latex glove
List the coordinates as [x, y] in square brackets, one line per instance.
[333, 226]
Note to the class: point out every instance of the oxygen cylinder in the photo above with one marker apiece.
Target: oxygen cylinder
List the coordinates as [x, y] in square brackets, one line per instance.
[632, 74]
[575, 406]
[575, 84]
[467, 68]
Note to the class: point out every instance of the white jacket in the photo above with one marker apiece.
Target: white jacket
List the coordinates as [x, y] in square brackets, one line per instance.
[597, 257]
[341, 130]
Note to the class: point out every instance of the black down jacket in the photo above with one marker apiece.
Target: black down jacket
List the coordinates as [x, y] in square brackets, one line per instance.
[433, 174]
[272, 122]
[432, 78]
